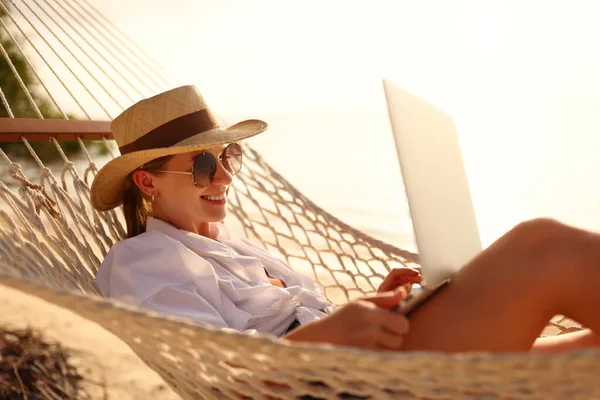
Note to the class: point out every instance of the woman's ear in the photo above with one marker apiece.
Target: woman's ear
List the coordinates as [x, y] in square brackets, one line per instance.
[144, 181]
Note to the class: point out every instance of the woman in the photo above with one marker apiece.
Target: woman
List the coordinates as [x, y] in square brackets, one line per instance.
[173, 178]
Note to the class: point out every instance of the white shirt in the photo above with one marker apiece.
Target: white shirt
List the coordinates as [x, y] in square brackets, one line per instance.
[219, 282]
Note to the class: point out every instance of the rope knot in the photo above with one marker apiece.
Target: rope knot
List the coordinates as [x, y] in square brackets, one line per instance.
[91, 169]
[35, 191]
[15, 170]
[70, 165]
[45, 172]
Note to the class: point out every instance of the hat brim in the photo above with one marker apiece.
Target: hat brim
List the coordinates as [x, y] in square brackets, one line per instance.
[110, 183]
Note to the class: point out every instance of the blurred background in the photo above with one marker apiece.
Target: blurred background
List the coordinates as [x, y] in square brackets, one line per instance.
[519, 77]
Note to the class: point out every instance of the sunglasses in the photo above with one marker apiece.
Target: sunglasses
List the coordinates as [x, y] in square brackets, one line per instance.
[205, 165]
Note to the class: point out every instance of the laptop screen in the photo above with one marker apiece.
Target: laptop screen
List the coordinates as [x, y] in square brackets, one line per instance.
[436, 184]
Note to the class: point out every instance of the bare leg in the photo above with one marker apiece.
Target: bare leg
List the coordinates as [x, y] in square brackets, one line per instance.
[502, 299]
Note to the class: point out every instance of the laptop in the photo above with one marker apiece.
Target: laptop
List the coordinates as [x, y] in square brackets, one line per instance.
[437, 190]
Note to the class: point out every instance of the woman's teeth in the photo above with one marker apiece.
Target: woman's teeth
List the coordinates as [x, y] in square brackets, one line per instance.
[215, 198]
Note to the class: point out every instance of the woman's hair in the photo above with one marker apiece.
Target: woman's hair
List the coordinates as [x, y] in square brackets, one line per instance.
[136, 207]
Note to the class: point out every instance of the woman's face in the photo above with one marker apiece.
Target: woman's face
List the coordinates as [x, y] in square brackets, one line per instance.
[184, 205]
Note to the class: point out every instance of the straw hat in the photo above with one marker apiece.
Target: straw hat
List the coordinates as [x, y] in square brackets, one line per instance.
[173, 122]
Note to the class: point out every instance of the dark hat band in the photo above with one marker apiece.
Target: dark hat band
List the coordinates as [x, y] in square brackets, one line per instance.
[173, 132]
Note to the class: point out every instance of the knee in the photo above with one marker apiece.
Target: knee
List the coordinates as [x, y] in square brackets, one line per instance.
[544, 237]
[539, 228]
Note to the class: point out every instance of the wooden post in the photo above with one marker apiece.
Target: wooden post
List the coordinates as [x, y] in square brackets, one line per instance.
[39, 130]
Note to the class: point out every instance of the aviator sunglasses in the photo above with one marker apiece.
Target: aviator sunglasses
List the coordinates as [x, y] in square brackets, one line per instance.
[205, 165]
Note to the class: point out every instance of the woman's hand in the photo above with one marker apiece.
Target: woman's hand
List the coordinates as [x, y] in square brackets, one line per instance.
[367, 323]
[400, 277]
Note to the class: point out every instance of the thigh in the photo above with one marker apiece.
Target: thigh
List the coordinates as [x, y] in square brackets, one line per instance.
[496, 303]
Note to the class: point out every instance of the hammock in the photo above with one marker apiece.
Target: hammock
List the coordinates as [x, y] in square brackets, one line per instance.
[52, 242]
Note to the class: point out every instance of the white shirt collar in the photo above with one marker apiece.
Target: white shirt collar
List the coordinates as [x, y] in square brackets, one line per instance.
[191, 239]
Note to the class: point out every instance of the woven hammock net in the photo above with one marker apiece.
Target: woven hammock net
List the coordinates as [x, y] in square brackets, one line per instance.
[52, 242]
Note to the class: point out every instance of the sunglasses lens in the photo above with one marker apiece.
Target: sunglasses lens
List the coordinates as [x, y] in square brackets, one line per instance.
[232, 158]
[205, 165]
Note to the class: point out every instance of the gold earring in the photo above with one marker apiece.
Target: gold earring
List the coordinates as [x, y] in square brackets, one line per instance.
[152, 198]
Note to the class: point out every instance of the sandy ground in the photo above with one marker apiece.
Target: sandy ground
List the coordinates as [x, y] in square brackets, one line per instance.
[111, 369]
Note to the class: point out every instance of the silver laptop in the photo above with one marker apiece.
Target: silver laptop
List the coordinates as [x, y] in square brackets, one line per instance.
[438, 194]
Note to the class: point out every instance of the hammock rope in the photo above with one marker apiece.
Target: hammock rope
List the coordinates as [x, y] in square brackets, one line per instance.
[44, 59]
[55, 52]
[52, 242]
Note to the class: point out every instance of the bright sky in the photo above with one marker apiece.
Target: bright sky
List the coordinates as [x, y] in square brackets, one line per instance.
[519, 76]
[325, 56]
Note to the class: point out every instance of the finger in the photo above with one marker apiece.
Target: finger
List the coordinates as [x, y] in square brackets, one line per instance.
[408, 287]
[387, 300]
[389, 340]
[395, 323]
[396, 272]
[408, 279]
[365, 336]
[395, 284]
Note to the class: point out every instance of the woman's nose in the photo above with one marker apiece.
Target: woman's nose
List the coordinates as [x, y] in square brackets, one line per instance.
[222, 176]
